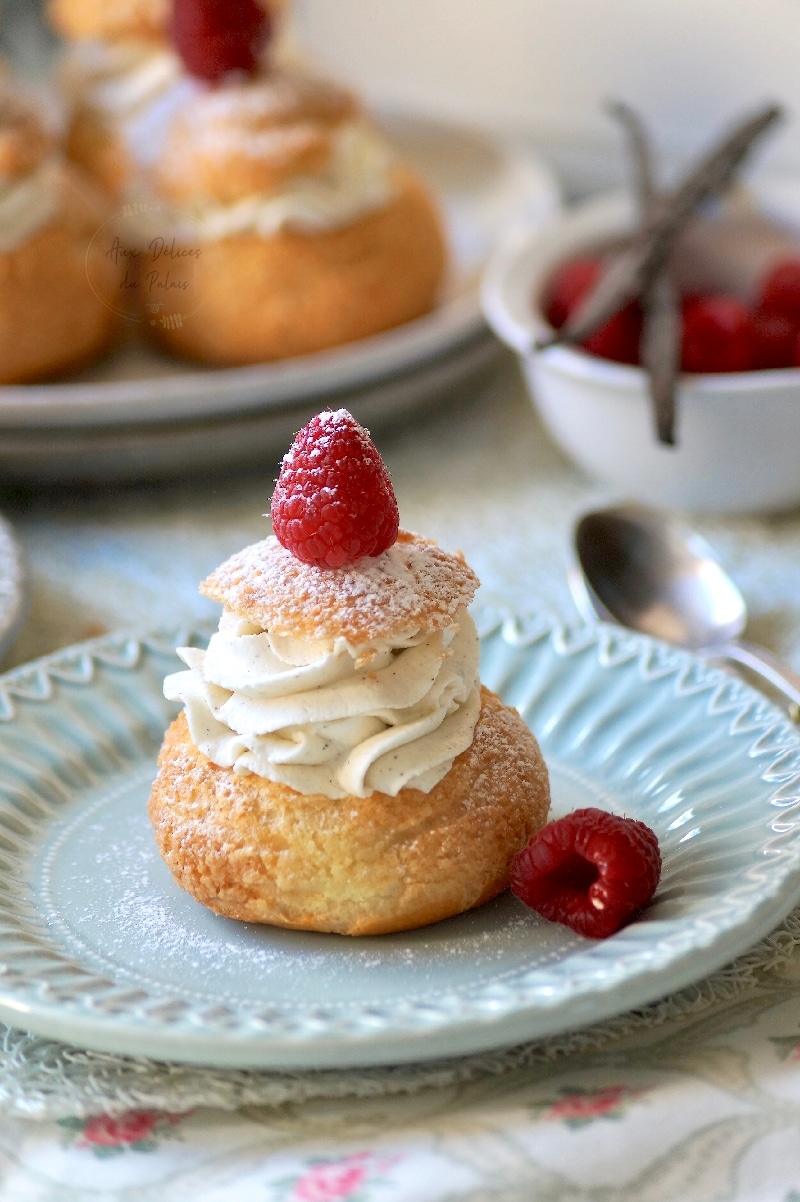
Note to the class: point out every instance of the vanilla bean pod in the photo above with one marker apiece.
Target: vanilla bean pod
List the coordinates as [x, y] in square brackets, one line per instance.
[632, 269]
[641, 160]
[660, 351]
[661, 327]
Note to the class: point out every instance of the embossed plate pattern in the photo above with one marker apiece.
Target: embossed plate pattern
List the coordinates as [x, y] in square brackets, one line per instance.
[99, 947]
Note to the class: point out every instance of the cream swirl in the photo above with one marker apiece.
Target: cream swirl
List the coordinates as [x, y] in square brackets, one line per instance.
[27, 204]
[324, 716]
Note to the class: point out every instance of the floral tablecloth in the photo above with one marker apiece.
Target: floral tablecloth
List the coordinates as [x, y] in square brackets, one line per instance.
[693, 1100]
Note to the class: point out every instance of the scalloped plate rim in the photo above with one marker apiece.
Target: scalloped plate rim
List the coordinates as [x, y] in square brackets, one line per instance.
[480, 1027]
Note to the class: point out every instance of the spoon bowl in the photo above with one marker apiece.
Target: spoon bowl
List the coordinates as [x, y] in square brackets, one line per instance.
[645, 569]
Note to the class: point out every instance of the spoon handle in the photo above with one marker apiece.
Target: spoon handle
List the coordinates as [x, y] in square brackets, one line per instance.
[764, 664]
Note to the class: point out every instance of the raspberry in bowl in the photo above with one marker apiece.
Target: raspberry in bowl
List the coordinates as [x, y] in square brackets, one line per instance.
[737, 436]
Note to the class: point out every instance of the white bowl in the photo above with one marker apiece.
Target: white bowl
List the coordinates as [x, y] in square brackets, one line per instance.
[737, 434]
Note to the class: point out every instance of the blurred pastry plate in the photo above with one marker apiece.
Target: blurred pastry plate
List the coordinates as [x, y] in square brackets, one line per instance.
[147, 451]
[485, 183]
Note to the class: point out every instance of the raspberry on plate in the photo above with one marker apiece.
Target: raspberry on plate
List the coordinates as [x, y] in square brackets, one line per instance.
[334, 501]
[591, 870]
[214, 37]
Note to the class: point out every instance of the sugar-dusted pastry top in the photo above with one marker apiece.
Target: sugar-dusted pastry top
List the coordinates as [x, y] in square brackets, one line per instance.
[226, 143]
[415, 585]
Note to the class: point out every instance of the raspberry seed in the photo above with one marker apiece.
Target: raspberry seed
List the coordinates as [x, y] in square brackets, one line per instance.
[334, 502]
[591, 871]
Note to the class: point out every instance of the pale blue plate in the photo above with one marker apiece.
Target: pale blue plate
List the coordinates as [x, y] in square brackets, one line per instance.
[99, 947]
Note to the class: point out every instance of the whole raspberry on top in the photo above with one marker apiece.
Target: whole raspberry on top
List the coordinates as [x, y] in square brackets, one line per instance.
[334, 501]
[591, 871]
[214, 37]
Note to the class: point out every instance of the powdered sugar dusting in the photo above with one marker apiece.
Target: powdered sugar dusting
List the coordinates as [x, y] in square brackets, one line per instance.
[264, 118]
[414, 585]
[335, 417]
[126, 914]
[274, 98]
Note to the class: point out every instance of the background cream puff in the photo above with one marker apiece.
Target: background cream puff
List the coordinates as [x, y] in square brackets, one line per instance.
[58, 290]
[311, 234]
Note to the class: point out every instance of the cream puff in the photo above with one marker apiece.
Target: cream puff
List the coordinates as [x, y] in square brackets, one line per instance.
[337, 765]
[58, 290]
[289, 225]
[105, 20]
[306, 233]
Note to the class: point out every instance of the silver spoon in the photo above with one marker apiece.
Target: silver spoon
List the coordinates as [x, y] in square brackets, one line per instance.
[645, 569]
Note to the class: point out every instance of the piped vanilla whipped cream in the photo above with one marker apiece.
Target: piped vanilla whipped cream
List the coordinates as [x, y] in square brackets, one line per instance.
[28, 203]
[324, 716]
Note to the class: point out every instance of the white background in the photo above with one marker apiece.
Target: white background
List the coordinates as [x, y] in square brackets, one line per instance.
[545, 68]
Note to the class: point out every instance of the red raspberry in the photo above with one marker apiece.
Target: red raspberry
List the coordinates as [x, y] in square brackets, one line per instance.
[775, 339]
[591, 871]
[214, 37]
[567, 287]
[618, 338]
[718, 335]
[780, 290]
[334, 501]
